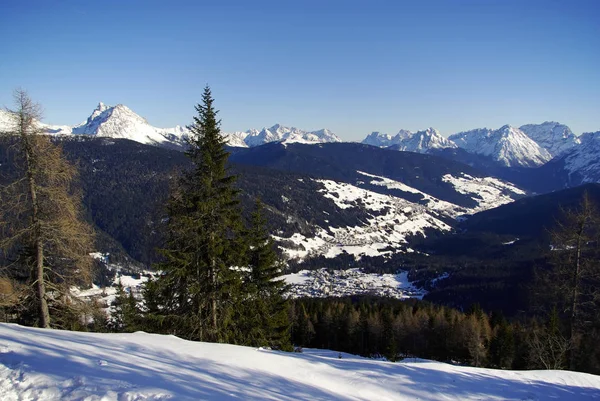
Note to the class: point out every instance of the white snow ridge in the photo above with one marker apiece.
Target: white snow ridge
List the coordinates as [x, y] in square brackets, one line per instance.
[556, 138]
[418, 142]
[49, 365]
[508, 145]
[121, 122]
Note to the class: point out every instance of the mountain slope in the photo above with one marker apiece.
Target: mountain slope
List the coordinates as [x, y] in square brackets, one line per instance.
[279, 133]
[383, 140]
[582, 163]
[346, 161]
[121, 122]
[556, 138]
[423, 142]
[318, 203]
[45, 364]
[507, 145]
[533, 216]
[420, 142]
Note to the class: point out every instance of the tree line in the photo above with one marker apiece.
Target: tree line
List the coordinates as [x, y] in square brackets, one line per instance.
[397, 329]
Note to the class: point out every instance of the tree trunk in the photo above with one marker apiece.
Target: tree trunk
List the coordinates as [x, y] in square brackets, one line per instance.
[214, 299]
[575, 294]
[39, 248]
[41, 285]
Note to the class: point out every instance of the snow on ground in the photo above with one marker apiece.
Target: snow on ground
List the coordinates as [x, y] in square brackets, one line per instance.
[489, 192]
[392, 219]
[44, 365]
[432, 203]
[387, 229]
[106, 295]
[339, 283]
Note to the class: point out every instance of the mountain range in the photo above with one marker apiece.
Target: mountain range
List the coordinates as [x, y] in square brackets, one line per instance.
[121, 122]
[531, 145]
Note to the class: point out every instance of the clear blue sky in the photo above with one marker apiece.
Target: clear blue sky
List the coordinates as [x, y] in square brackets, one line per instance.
[350, 66]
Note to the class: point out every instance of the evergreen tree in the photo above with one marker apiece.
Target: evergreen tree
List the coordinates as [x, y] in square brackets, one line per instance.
[265, 310]
[125, 314]
[197, 293]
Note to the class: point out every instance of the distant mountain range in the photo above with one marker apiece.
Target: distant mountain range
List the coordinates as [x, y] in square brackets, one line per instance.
[121, 122]
[543, 157]
[567, 159]
[531, 145]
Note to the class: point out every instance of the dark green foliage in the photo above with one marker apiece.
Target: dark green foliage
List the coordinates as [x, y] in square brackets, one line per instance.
[125, 316]
[197, 293]
[263, 316]
[502, 346]
[391, 328]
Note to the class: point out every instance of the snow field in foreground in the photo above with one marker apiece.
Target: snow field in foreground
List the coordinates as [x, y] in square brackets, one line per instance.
[38, 364]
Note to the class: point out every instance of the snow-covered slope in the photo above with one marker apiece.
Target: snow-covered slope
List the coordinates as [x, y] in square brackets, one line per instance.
[49, 365]
[6, 120]
[556, 138]
[419, 142]
[121, 122]
[383, 140]
[279, 133]
[583, 161]
[391, 220]
[507, 145]
[423, 142]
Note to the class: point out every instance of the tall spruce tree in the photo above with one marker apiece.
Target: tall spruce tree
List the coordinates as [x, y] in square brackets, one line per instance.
[264, 319]
[199, 289]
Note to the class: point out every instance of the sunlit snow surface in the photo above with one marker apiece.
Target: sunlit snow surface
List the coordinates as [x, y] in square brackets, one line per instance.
[49, 365]
[392, 220]
[106, 295]
[321, 283]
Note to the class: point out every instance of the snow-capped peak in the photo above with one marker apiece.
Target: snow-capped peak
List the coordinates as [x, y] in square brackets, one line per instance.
[280, 133]
[582, 162]
[423, 141]
[556, 138]
[379, 139]
[508, 145]
[121, 122]
[404, 140]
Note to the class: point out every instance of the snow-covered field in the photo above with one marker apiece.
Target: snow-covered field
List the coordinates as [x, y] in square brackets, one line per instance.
[43, 365]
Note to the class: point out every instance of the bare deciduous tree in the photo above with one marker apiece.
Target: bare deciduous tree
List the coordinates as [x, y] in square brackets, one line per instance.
[573, 282]
[42, 231]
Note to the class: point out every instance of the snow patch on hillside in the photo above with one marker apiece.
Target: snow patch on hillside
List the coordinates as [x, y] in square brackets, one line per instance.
[489, 192]
[430, 201]
[392, 220]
